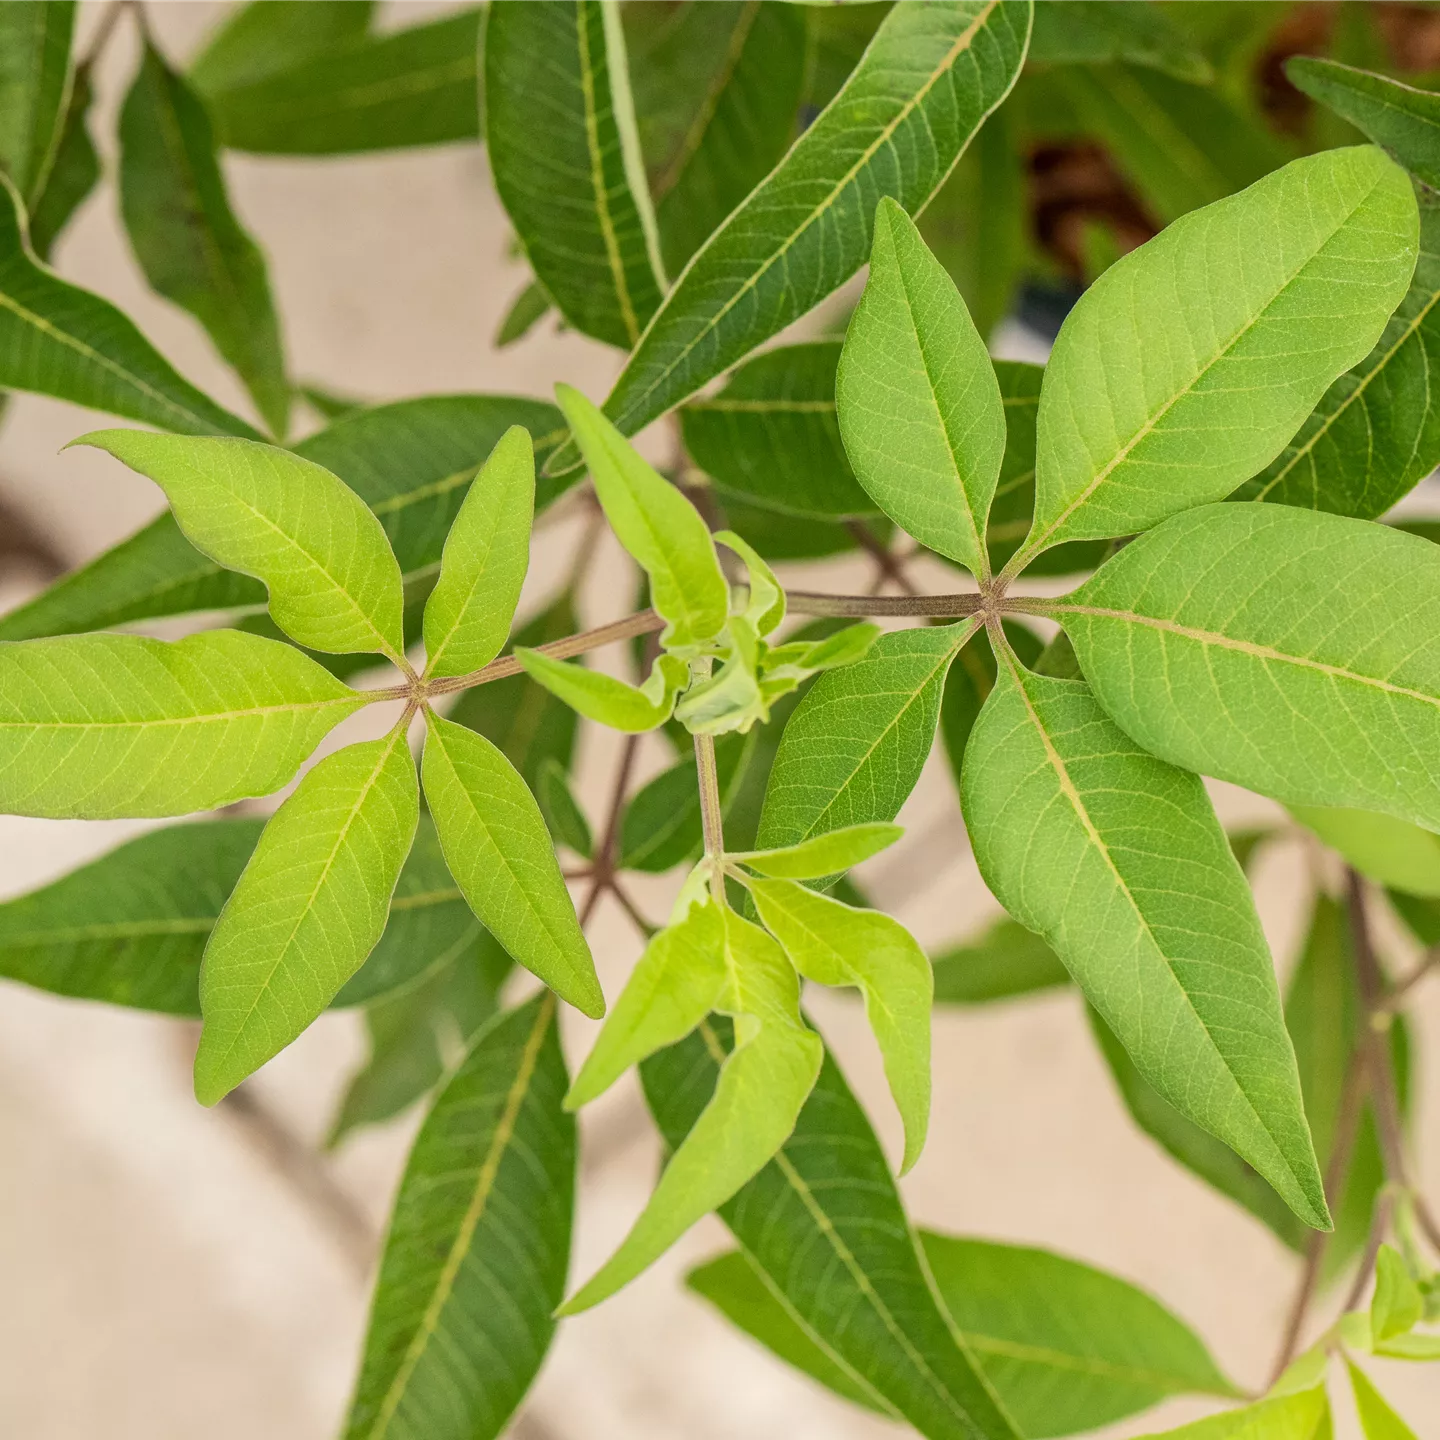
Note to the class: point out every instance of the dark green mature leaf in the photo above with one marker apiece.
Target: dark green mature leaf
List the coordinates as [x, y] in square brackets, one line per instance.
[1137, 423]
[743, 122]
[854, 747]
[1406, 121]
[478, 1247]
[186, 237]
[74, 173]
[265, 36]
[561, 134]
[375, 92]
[839, 37]
[823, 1223]
[526, 311]
[1375, 433]
[662, 825]
[34, 81]
[771, 436]
[1002, 962]
[927, 82]
[57, 339]
[1214, 642]
[1092, 32]
[1118, 861]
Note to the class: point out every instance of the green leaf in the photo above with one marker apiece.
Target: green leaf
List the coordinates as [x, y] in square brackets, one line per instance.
[258, 39]
[309, 908]
[411, 87]
[825, 855]
[75, 171]
[605, 699]
[833, 944]
[1214, 642]
[971, 679]
[918, 403]
[759, 1092]
[99, 726]
[824, 1225]
[487, 552]
[526, 311]
[771, 435]
[1002, 962]
[854, 748]
[660, 528]
[1117, 454]
[186, 237]
[500, 853]
[1377, 1419]
[743, 123]
[562, 811]
[333, 580]
[1387, 850]
[478, 1246]
[1396, 1306]
[1304, 1415]
[925, 85]
[560, 129]
[1117, 860]
[1406, 121]
[1094, 32]
[765, 606]
[34, 86]
[57, 339]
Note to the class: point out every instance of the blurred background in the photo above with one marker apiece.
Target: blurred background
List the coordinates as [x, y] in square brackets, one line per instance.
[171, 1272]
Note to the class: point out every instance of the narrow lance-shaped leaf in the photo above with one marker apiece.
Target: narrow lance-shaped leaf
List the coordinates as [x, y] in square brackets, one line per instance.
[924, 86]
[487, 552]
[1214, 641]
[57, 339]
[606, 700]
[186, 237]
[917, 398]
[1378, 1420]
[834, 944]
[758, 1094]
[1136, 424]
[1092, 32]
[1002, 962]
[309, 908]
[526, 311]
[1301, 1415]
[100, 726]
[264, 36]
[484, 1211]
[1396, 1305]
[827, 854]
[499, 851]
[1118, 861]
[333, 579]
[75, 171]
[562, 811]
[560, 131]
[34, 85]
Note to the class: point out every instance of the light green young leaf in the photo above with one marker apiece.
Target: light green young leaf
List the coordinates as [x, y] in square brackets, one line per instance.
[731, 700]
[75, 171]
[806, 657]
[562, 811]
[1377, 1419]
[660, 528]
[1389, 851]
[605, 699]
[309, 908]
[499, 851]
[57, 339]
[833, 944]
[34, 86]
[484, 1210]
[99, 726]
[418, 86]
[1092, 32]
[924, 86]
[1303, 1415]
[1396, 1306]
[333, 579]
[917, 398]
[266, 36]
[1118, 861]
[765, 609]
[1003, 962]
[824, 855]
[761, 1088]
[1406, 121]
[560, 129]
[1214, 642]
[1137, 422]
[676, 983]
[487, 552]
[186, 237]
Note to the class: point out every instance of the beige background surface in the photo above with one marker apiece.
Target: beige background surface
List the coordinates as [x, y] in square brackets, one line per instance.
[167, 1273]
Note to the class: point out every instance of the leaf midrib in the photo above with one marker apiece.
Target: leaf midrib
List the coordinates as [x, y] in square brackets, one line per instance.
[260, 711]
[1030, 1354]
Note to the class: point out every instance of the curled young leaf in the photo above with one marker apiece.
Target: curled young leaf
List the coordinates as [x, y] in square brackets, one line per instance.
[765, 609]
[605, 699]
[731, 699]
[827, 854]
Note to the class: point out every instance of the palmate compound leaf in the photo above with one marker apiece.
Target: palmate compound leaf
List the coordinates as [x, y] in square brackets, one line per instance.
[761, 1087]
[1163, 392]
[1066, 1347]
[333, 579]
[310, 906]
[824, 1224]
[1118, 861]
[923, 87]
[99, 726]
[500, 853]
[917, 399]
[34, 84]
[467, 618]
[479, 1244]
[560, 131]
[1289, 651]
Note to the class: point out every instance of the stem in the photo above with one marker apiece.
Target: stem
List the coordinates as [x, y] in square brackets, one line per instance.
[1380, 1222]
[1428, 962]
[602, 872]
[890, 567]
[712, 819]
[103, 32]
[810, 602]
